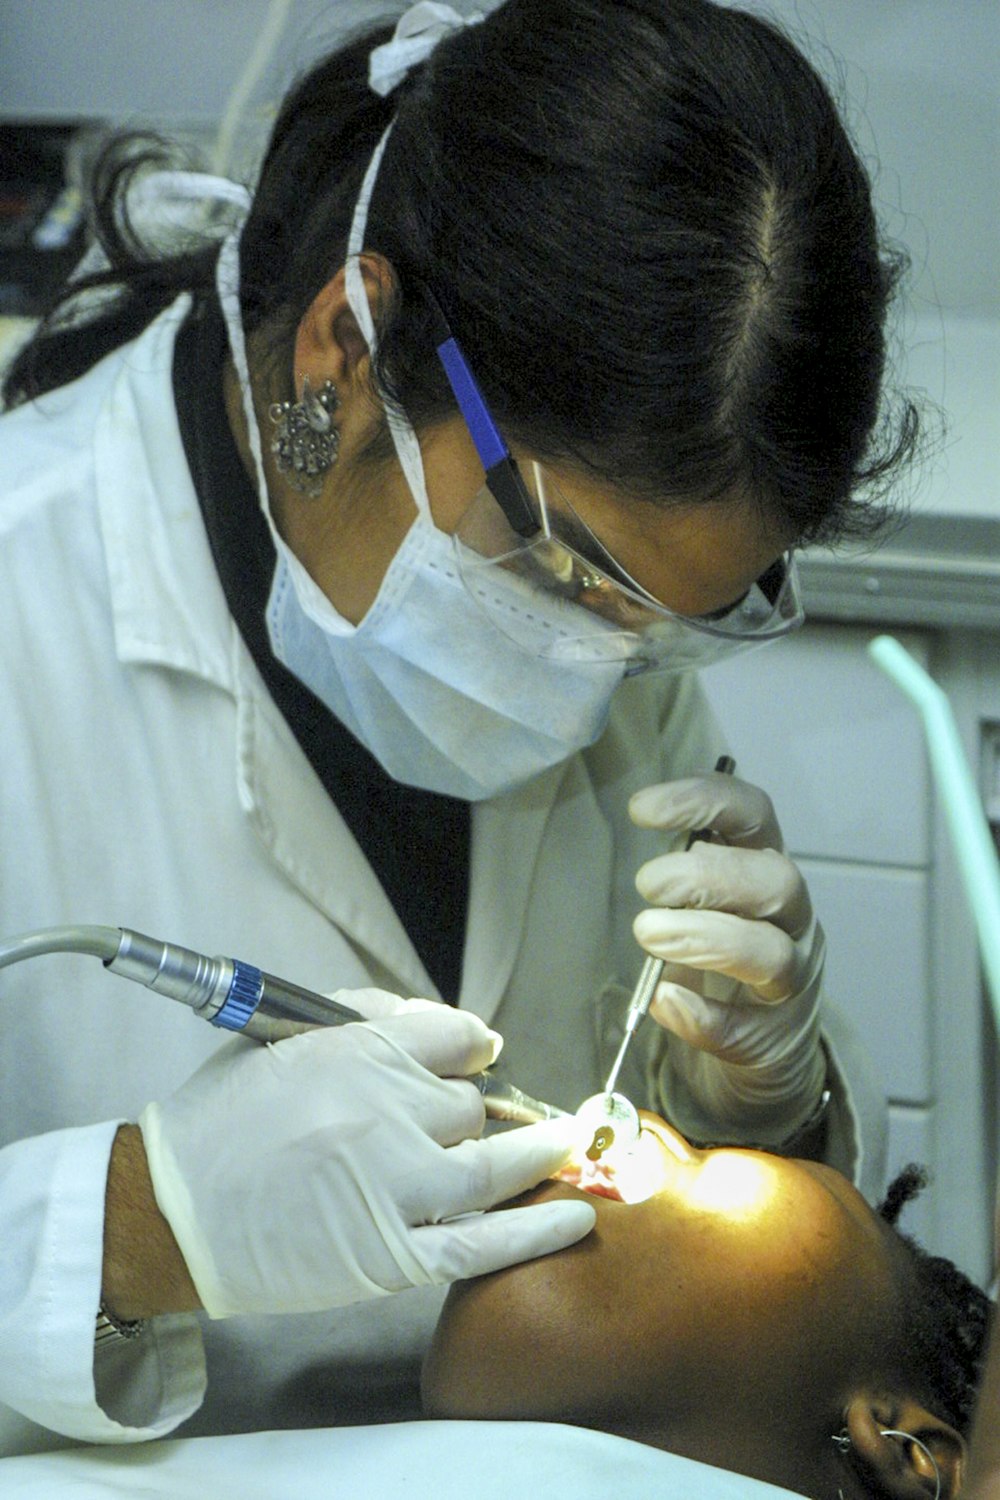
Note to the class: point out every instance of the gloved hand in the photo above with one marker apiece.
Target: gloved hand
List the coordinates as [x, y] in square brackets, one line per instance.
[317, 1171]
[744, 960]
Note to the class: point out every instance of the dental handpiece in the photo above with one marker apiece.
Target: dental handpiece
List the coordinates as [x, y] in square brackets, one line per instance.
[236, 996]
[649, 976]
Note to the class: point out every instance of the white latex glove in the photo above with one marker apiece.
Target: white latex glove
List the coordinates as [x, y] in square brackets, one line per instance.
[744, 960]
[317, 1171]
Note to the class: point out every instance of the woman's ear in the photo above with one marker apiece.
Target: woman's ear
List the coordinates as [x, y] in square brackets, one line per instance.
[906, 1449]
[329, 344]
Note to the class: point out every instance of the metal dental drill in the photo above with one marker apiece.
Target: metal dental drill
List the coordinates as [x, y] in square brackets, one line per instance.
[613, 1113]
[236, 996]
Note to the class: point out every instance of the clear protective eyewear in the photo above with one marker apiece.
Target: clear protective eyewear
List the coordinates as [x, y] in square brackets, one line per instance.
[547, 581]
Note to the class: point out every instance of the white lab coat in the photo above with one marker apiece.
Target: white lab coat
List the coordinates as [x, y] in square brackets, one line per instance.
[148, 781]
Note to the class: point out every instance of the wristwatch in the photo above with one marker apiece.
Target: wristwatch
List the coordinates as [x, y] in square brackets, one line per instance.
[112, 1330]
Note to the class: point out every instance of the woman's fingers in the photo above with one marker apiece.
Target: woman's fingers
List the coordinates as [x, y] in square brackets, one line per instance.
[758, 884]
[758, 954]
[734, 810]
[732, 920]
[712, 1025]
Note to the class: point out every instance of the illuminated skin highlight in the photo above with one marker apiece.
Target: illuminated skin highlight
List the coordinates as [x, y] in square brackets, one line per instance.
[738, 1187]
[738, 1184]
[730, 1310]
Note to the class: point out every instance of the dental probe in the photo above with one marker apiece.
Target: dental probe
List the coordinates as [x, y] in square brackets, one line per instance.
[649, 976]
[236, 996]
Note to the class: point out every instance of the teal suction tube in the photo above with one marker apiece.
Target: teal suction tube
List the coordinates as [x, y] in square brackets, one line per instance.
[974, 848]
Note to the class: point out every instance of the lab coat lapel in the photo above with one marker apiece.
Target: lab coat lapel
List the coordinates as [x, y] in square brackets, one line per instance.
[306, 836]
[169, 610]
[506, 838]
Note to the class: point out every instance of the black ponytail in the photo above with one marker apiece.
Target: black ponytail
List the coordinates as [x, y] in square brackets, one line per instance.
[99, 311]
[647, 226]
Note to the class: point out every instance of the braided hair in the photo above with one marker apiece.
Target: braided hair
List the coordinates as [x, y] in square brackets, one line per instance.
[948, 1318]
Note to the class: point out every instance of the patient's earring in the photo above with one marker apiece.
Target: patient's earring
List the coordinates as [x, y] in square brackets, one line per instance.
[306, 441]
[842, 1440]
[895, 1432]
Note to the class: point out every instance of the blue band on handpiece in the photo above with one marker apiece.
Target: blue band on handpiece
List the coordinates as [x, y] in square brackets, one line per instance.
[244, 996]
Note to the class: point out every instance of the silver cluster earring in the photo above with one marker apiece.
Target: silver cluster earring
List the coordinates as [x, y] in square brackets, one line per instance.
[306, 440]
[842, 1440]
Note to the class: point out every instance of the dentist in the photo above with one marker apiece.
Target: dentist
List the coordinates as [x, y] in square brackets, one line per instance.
[361, 539]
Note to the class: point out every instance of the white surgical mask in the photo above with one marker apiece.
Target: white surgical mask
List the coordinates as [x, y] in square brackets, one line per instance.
[438, 694]
[429, 684]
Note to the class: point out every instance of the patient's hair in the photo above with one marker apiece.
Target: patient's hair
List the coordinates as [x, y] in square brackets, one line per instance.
[948, 1317]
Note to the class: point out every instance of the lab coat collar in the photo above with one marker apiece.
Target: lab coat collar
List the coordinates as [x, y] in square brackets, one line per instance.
[169, 610]
[167, 603]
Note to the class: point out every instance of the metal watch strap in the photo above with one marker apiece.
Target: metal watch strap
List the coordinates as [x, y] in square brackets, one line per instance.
[112, 1330]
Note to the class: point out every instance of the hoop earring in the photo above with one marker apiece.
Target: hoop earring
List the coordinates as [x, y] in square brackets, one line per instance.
[896, 1432]
[842, 1441]
[306, 441]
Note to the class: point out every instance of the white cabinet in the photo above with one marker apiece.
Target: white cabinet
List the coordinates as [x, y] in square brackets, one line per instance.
[841, 753]
[875, 918]
[839, 749]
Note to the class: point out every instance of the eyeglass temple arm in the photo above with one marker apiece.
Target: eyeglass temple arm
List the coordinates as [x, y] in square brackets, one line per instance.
[503, 477]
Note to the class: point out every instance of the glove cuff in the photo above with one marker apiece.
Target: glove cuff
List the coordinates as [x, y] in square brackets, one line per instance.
[173, 1199]
[714, 1102]
[808, 1140]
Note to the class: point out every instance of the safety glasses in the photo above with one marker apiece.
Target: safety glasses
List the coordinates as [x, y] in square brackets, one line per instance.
[547, 581]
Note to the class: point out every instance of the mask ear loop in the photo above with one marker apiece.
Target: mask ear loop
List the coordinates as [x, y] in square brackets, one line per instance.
[404, 439]
[227, 284]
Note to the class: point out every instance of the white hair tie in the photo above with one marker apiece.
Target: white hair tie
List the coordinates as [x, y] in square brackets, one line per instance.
[417, 33]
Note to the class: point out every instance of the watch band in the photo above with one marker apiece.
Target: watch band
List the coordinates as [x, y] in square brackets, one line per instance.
[111, 1330]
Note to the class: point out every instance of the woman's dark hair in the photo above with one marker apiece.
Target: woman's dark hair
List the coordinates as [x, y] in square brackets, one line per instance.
[947, 1318]
[645, 222]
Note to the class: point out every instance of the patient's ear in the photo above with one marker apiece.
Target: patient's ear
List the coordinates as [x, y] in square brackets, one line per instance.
[901, 1467]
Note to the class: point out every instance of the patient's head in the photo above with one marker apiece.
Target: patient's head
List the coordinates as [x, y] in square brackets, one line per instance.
[743, 1313]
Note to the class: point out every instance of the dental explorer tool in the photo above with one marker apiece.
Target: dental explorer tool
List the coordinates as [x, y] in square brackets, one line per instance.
[236, 996]
[649, 976]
